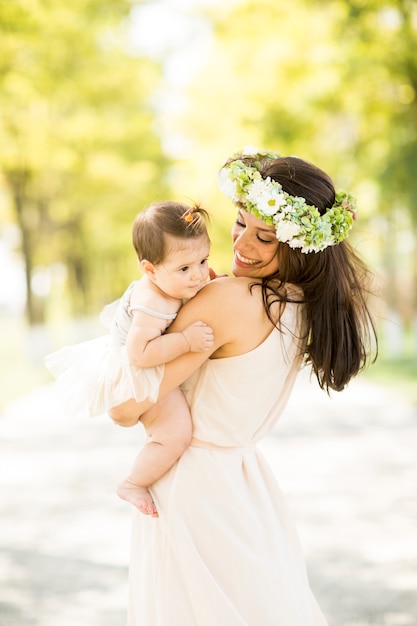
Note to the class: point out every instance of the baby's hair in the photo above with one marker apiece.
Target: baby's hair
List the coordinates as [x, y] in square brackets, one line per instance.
[166, 218]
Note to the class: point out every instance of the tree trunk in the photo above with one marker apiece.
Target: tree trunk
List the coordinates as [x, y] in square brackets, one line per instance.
[18, 180]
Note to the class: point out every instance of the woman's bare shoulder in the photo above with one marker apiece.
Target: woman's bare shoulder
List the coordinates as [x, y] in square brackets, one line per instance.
[235, 314]
[224, 292]
[218, 300]
[224, 284]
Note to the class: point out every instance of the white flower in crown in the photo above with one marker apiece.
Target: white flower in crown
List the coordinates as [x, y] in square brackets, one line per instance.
[227, 186]
[286, 230]
[265, 196]
[305, 249]
[250, 151]
[286, 208]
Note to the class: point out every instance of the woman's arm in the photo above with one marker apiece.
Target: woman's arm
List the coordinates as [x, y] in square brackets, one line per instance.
[239, 322]
[216, 296]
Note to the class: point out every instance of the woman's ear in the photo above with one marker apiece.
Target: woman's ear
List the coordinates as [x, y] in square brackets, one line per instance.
[147, 268]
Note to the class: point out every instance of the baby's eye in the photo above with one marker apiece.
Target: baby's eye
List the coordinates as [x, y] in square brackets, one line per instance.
[204, 261]
[184, 269]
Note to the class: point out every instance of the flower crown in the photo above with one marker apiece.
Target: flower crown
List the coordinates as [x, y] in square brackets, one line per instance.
[297, 223]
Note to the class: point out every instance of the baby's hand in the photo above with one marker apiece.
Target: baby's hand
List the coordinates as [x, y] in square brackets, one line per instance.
[199, 336]
[213, 275]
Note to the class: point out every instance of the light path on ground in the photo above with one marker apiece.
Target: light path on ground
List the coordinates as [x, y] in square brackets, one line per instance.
[347, 465]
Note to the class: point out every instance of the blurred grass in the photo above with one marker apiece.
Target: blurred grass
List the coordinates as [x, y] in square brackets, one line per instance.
[22, 359]
[399, 373]
[23, 350]
[21, 365]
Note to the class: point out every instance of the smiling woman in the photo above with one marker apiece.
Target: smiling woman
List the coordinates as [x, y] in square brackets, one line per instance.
[224, 549]
[255, 247]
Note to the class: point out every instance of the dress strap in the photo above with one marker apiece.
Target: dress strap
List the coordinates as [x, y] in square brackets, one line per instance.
[162, 316]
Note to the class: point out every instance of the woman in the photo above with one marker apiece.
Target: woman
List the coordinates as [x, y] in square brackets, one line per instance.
[224, 550]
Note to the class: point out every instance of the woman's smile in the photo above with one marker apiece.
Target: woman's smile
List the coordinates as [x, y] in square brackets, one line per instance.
[244, 259]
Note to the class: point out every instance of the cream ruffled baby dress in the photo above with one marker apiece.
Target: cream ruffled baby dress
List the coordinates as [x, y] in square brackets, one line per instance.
[93, 376]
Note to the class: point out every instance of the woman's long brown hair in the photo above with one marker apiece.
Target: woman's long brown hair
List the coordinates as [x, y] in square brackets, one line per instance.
[339, 336]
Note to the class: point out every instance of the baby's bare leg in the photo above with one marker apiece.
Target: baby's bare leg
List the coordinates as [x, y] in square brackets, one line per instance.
[169, 429]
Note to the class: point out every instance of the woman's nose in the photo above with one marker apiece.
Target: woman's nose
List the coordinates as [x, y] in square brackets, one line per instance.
[242, 238]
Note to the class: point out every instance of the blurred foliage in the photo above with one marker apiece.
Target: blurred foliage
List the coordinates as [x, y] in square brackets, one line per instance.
[91, 130]
[77, 151]
[333, 82]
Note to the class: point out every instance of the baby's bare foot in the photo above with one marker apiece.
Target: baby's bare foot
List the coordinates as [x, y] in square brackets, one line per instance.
[138, 496]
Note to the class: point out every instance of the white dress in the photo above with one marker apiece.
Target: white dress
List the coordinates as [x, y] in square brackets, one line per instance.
[224, 550]
[96, 375]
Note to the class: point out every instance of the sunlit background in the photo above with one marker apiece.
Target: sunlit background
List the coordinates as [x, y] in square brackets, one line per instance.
[108, 105]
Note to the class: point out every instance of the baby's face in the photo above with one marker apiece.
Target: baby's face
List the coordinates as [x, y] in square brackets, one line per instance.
[184, 270]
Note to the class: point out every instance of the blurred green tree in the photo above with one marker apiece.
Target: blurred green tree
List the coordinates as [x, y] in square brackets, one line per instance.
[77, 147]
[336, 83]
[380, 38]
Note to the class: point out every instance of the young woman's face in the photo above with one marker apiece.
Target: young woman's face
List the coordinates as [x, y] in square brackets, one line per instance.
[255, 247]
[185, 268]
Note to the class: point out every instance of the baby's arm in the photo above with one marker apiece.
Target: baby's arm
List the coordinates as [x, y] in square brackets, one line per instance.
[148, 347]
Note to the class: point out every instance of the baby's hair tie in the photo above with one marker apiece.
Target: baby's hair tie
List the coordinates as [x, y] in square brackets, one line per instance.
[188, 217]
